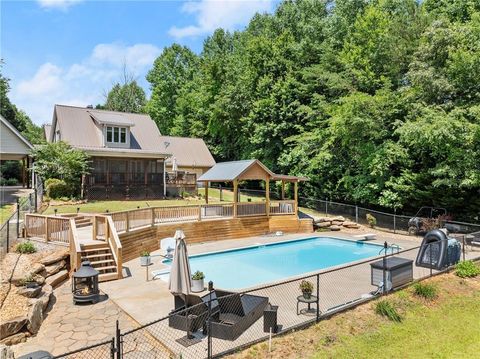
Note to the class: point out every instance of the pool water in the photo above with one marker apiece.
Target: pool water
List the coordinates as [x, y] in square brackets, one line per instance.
[252, 266]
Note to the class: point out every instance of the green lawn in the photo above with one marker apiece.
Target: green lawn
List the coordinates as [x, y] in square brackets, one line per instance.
[446, 327]
[227, 195]
[5, 211]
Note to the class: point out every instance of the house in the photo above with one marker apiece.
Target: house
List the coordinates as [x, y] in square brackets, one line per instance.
[129, 155]
[13, 146]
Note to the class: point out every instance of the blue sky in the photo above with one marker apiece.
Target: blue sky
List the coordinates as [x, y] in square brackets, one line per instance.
[72, 51]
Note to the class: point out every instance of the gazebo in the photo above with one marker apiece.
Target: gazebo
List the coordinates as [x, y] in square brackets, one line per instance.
[236, 171]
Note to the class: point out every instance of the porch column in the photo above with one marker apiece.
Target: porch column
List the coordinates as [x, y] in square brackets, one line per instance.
[164, 179]
[23, 171]
[295, 188]
[283, 189]
[267, 196]
[206, 192]
[235, 197]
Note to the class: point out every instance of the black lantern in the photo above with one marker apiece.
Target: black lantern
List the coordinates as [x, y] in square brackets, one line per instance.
[85, 284]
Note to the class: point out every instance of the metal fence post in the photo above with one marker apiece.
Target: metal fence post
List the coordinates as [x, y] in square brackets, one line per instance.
[356, 214]
[395, 220]
[112, 349]
[18, 217]
[209, 324]
[431, 260]
[36, 200]
[318, 297]
[384, 265]
[463, 247]
[326, 207]
[8, 235]
[118, 340]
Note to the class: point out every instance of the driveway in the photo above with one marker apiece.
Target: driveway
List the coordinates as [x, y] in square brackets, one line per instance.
[10, 194]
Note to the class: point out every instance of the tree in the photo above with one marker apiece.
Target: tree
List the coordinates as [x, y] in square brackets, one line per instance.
[125, 97]
[59, 160]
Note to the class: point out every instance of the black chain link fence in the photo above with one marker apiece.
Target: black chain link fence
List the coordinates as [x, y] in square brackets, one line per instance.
[221, 322]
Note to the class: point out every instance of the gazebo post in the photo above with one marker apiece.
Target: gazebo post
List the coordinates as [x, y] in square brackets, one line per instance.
[267, 195]
[206, 192]
[283, 189]
[235, 197]
[295, 187]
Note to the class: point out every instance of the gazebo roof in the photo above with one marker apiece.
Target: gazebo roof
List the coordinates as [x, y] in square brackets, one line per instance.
[243, 170]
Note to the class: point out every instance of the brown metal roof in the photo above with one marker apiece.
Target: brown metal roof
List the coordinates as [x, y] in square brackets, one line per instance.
[189, 152]
[79, 129]
[47, 129]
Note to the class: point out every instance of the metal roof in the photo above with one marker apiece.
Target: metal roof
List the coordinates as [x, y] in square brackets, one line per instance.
[47, 129]
[188, 152]
[111, 118]
[230, 171]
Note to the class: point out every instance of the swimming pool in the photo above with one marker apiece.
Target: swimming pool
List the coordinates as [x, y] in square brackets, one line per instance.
[252, 266]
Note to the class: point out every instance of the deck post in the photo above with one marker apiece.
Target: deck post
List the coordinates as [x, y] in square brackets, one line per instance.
[267, 196]
[206, 192]
[283, 190]
[127, 222]
[46, 229]
[235, 197]
[153, 216]
[295, 187]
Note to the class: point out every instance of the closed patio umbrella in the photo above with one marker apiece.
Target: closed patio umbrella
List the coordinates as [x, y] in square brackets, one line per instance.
[180, 276]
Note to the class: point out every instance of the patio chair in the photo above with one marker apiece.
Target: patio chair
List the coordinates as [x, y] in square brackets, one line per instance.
[189, 315]
[235, 314]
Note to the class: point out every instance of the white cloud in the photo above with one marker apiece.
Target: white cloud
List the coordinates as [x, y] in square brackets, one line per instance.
[81, 83]
[57, 4]
[213, 14]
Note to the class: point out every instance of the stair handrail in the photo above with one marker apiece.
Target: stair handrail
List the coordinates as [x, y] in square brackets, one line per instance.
[75, 249]
[114, 242]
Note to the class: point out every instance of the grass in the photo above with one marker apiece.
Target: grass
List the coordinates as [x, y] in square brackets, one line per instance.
[115, 206]
[387, 309]
[445, 328]
[5, 212]
[425, 290]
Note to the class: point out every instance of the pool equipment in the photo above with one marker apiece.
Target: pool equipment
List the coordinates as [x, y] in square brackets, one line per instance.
[438, 251]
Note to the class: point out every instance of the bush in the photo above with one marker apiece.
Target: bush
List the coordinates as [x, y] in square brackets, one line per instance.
[425, 290]
[372, 221]
[467, 269]
[25, 247]
[8, 182]
[145, 254]
[386, 309]
[198, 275]
[57, 188]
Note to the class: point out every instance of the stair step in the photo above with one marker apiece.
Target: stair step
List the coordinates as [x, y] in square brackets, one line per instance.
[93, 256]
[100, 262]
[95, 245]
[106, 268]
[95, 250]
[107, 276]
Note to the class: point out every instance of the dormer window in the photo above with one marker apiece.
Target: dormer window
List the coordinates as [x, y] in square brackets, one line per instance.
[116, 134]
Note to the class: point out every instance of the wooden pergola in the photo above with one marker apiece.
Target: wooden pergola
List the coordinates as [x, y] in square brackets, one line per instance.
[236, 171]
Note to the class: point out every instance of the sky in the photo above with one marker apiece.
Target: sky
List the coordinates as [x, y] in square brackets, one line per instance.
[71, 52]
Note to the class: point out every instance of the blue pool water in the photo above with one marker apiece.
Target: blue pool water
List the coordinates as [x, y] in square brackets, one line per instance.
[252, 266]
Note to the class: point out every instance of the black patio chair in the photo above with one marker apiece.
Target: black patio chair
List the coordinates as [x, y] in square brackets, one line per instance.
[190, 314]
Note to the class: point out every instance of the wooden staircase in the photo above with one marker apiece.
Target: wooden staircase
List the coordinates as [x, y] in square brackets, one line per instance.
[82, 221]
[101, 257]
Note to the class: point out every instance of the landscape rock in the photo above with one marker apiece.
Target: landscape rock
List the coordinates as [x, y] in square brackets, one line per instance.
[57, 278]
[39, 279]
[323, 224]
[45, 297]
[15, 339]
[349, 224]
[337, 223]
[37, 268]
[12, 326]
[30, 292]
[55, 268]
[6, 352]
[35, 317]
[338, 219]
[54, 257]
[334, 227]
[322, 219]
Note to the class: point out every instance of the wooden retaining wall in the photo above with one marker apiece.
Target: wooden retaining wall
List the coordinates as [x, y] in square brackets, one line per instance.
[147, 238]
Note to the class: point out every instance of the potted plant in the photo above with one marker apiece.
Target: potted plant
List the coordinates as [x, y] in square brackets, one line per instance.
[29, 281]
[197, 282]
[145, 259]
[307, 288]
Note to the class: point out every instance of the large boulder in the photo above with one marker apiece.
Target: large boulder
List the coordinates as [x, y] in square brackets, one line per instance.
[349, 224]
[15, 339]
[45, 297]
[323, 224]
[30, 292]
[35, 317]
[55, 257]
[57, 278]
[338, 219]
[337, 223]
[322, 219]
[37, 268]
[55, 268]
[12, 326]
[334, 227]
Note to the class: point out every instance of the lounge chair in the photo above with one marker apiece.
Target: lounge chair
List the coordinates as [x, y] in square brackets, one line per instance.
[235, 314]
[189, 315]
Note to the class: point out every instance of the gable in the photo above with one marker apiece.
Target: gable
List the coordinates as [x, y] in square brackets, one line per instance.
[12, 143]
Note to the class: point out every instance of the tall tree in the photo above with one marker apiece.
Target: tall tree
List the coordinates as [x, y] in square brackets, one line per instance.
[126, 97]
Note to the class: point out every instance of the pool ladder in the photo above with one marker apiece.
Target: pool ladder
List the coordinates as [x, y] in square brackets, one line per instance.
[391, 247]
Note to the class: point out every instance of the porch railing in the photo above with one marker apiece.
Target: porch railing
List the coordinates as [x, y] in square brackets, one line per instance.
[282, 207]
[49, 228]
[247, 209]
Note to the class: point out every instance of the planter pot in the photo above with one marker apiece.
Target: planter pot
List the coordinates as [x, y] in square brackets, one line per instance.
[145, 261]
[197, 285]
[307, 295]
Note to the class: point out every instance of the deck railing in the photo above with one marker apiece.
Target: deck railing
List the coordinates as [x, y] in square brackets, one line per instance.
[115, 245]
[50, 228]
[282, 207]
[247, 209]
[75, 249]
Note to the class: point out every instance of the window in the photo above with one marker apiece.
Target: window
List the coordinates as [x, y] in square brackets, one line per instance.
[116, 134]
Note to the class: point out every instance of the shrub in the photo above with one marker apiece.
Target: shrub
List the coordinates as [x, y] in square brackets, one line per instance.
[8, 182]
[57, 188]
[306, 286]
[198, 275]
[145, 254]
[25, 247]
[386, 309]
[425, 290]
[467, 269]
[372, 221]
